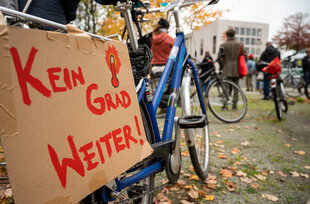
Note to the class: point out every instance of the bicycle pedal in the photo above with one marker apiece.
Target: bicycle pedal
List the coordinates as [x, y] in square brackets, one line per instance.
[193, 121]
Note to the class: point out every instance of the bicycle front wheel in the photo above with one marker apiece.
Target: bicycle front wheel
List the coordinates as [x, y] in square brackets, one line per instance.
[226, 101]
[197, 138]
[292, 87]
[307, 90]
[277, 103]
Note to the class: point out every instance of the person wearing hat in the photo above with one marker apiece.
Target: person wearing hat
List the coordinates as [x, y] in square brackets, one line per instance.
[162, 44]
[306, 65]
[251, 71]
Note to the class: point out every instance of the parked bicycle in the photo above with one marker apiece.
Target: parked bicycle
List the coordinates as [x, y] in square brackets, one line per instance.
[277, 87]
[220, 95]
[293, 82]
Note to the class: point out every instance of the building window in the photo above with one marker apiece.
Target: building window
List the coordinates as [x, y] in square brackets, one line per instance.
[258, 41]
[247, 50]
[214, 44]
[253, 31]
[248, 31]
[258, 51]
[259, 32]
[237, 30]
[242, 31]
[242, 40]
[253, 41]
[253, 50]
[201, 47]
[247, 41]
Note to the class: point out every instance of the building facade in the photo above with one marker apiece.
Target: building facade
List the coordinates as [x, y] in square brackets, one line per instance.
[209, 38]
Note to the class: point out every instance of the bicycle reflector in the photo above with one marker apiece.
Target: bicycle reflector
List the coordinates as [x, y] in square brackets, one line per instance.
[274, 67]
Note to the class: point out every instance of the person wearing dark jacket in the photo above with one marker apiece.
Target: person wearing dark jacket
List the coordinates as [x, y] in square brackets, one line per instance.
[59, 11]
[267, 56]
[306, 66]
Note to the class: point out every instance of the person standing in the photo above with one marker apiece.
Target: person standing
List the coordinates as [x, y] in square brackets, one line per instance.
[267, 56]
[162, 44]
[251, 71]
[230, 58]
[306, 66]
[206, 65]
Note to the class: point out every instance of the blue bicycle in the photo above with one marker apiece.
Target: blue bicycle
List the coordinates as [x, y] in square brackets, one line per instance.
[138, 181]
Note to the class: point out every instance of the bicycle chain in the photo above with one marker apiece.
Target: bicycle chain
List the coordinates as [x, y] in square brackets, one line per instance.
[140, 196]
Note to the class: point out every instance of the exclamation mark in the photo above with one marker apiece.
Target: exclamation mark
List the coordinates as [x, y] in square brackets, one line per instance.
[138, 128]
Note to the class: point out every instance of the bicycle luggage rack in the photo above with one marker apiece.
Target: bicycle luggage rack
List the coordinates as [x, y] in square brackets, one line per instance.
[193, 121]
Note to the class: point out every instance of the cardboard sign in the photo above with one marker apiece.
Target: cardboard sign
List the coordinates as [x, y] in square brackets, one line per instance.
[69, 119]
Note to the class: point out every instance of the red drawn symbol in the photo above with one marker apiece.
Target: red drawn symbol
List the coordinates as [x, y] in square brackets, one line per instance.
[113, 63]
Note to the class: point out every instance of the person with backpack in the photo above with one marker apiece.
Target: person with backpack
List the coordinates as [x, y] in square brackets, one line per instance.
[251, 71]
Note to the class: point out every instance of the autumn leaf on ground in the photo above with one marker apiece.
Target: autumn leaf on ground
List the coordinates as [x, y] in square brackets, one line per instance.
[181, 182]
[255, 185]
[282, 174]
[300, 152]
[236, 163]
[220, 150]
[279, 131]
[211, 181]
[191, 168]
[294, 139]
[245, 159]
[185, 154]
[193, 194]
[185, 202]
[209, 197]
[246, 180]
[294, 174]
[271, 172]
[270, 197]
[245, 144]
[194, 177]
[219, 142]
[186, 174]
[241, 174]
[226, 173]
[235, 151]
[234, 168]
[260, 177]
[247, 127]
[231, 186]
[222, 156]
[304, 175]
[287, 145]
[174, 188]
[162, 198]
[216, 134]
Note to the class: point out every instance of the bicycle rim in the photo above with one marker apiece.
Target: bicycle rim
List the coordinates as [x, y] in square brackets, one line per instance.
[230, 107]
[283, 100]
[292, 88]
[199, 149]
[277, 103]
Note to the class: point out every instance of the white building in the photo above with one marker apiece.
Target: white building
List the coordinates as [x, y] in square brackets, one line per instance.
[209, 38]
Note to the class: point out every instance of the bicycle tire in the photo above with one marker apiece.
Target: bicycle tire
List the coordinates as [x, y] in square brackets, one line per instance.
[216, 101]
[291, 87]
[276, 99]
[307, 90]
[283, 101]
[199, 149]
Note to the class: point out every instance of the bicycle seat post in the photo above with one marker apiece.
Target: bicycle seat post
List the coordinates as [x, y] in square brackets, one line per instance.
[176, 14]
[125, 9]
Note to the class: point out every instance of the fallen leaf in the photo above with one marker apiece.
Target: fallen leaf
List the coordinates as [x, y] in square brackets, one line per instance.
[270, 197]
[191, 168]
[186, 174]
[235, 151]
[231, 186]
[216, 134]
[307, 167]
[185, 154]
[194, 177]
[247, 127]
[282, 174]
[187, 187]
[287, 145]
[304, 175]
[234, 168]
[238, 126]
[246, 180]
[174, 188]
[209, 197]
[294, 174]
[300, 152]
[220, 150]
[226, 173]
[219, 142]
[279, 131]
[245, 159]
[241, 174]
[221, 156]
[193, 194]
[294, 139]
[231, 130]
[236, 163]
[255, 185]
[271, 172]
[181, 182]
[185, 202]
[224, 192]
[260, 177]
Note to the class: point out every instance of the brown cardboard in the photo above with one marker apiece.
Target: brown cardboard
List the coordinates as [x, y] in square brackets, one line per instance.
[64, 118]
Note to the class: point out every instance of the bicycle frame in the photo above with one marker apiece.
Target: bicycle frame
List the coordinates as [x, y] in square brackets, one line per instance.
[176, 61]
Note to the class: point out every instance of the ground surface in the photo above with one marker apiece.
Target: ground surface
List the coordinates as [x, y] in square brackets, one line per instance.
[257, 160]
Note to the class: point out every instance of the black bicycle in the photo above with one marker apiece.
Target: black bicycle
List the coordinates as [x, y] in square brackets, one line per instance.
[225, 99]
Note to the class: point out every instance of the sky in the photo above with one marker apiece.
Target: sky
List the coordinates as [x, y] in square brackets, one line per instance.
[272, 12]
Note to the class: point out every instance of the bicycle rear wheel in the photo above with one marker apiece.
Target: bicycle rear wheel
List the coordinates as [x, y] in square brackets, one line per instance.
[283, 100]
[277, 103]
[198, 138]
[292, 87]
[230, 107]
[307, 90]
